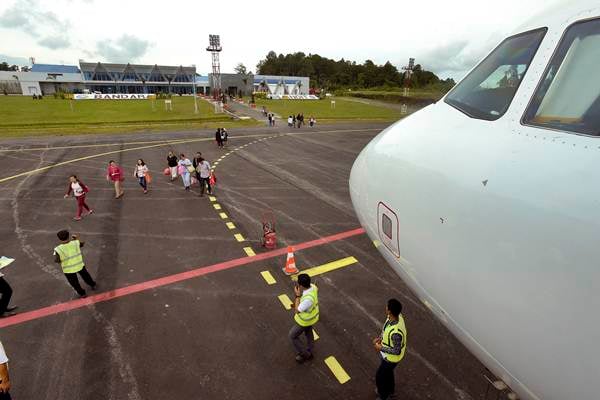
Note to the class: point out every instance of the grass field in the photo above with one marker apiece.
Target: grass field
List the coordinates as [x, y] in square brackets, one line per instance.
[322, 110]
[20, 116]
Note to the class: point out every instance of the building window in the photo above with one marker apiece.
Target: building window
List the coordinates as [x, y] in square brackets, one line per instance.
[568, 97]
[489, 89]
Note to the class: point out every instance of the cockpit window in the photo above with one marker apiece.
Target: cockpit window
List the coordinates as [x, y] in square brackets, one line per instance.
[568, 97]
[488, 90]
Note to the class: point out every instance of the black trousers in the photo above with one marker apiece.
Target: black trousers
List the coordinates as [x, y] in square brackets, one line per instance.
[6, 292]
[74, 281]
[384, 379]
[205, 182]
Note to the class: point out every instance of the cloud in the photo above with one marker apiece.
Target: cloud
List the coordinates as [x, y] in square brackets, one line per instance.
[55, 42]
[126, 48]
[456, 58]
[28, 17]
[20, 61]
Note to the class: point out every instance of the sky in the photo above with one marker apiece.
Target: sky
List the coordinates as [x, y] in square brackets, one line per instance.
[446, 37]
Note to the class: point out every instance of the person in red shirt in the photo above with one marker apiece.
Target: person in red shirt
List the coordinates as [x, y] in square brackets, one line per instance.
[79, 190]
[114, 173]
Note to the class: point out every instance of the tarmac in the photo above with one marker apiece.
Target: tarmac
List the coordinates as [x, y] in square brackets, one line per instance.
[189, 303]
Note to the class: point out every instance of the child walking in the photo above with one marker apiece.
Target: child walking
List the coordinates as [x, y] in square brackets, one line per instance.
[141, 173]
[114, 173]
[79, 191]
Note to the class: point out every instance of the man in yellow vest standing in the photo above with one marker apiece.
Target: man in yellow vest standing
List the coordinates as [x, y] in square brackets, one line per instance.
[68, 254]
[391, 346]
[306, 308]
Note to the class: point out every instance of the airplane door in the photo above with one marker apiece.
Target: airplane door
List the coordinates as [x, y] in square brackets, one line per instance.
[389, 229]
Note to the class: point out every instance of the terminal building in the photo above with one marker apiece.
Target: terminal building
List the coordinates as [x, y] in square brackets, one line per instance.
[106, 78]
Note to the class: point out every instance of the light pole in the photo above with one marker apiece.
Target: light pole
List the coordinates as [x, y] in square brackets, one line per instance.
[194, 90]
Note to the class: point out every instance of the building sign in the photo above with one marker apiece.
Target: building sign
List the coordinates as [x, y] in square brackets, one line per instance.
[114, 96]
[292, 97]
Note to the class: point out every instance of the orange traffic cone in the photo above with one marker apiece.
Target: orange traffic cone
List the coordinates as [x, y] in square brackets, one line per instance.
[290, 263]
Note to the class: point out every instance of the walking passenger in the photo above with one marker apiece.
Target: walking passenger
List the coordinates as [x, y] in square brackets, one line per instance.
[391, 345]
[79, 191]
[68, 254]
[184, 169]
[141, 173]
[114, 173]
[290, 121]
[306, 308]
[203, 171]
[224, 137]
[270, 118]
[218, 138]
[172, 163]
[195, 163]
[312, 121]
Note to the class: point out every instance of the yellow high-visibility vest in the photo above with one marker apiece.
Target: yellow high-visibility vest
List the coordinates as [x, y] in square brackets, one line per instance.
[310, 316]
[386, 339]
[71, 259]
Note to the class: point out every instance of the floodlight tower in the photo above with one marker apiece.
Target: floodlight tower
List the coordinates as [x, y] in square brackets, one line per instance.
[408, 70]
[214, 47]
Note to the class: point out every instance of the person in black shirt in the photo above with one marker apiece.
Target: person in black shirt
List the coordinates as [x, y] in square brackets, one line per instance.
[172, 163]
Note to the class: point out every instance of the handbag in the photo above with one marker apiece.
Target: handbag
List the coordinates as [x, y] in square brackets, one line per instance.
[191, 169]
[148, 177]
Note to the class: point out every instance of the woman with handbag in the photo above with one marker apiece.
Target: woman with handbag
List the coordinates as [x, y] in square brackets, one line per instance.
[79, 191]
[142, 174]
[114, 174]
[185, 168]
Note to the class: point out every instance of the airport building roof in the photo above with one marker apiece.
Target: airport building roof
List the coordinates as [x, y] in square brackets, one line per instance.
[55, 69]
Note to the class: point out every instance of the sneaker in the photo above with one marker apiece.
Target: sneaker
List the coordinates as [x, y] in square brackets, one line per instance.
[7, 314]
[145, 192]
[83, 296]
[90, 212]
[13, 308]
[299, 358]
[94, 287]
[77, 218]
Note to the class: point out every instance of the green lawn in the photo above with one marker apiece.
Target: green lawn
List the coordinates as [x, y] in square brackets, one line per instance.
[20, 116]
[323, 110]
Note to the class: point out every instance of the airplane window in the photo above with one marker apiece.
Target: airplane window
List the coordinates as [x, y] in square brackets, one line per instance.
[568, 98]
[386, 225]
[488, 90]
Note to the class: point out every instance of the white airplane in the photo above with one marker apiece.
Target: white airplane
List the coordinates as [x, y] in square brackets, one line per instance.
[487, 204]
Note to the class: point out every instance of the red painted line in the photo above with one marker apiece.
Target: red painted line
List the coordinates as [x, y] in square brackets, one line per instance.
[166, 280]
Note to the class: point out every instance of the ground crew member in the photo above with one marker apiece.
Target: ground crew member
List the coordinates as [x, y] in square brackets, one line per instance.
[4, 378]
[391, 345]
[306, 308]
[6, 292]
[68, 254]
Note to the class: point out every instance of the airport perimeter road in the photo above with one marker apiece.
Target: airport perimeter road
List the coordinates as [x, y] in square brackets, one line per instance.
[189, 306]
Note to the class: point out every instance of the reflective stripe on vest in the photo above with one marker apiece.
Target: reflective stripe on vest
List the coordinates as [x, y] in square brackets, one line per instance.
[386, 339]
[310, 316]
[71, 259]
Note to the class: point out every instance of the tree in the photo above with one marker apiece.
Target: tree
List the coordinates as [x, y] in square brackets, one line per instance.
[241, 69]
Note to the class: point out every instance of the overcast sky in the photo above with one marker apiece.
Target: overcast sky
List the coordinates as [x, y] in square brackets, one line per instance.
[447, 37]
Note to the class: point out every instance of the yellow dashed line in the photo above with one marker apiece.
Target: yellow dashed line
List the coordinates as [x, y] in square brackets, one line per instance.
[223, 216]
[269, 278]
[230, 225]
[217, 206]
[285, 301]
[216, 163]
[337, 369]
[249, 251]
[212, 198]
[376, 243]
[315, 335]
[239, 237]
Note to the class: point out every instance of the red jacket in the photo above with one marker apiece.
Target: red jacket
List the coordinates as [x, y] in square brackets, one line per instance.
[114, 173]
